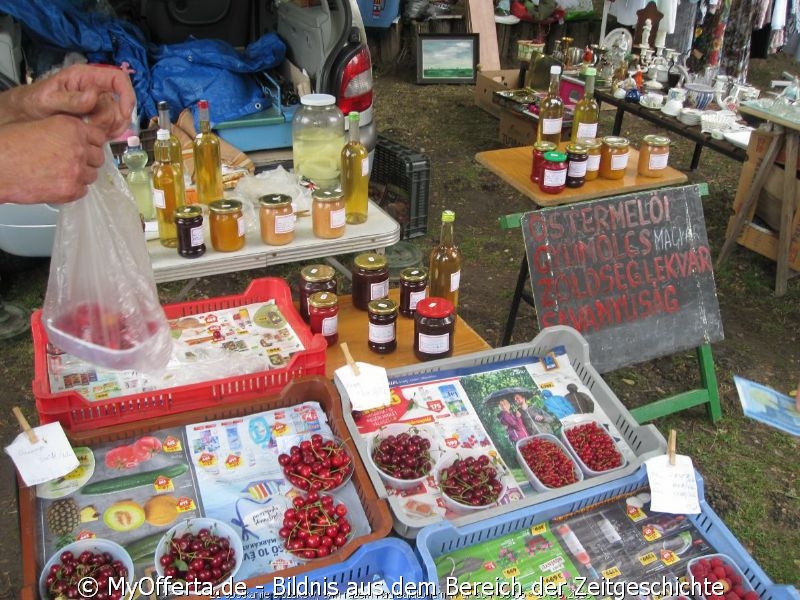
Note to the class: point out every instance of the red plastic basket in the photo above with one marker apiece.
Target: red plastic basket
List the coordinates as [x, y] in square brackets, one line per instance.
[76, 413]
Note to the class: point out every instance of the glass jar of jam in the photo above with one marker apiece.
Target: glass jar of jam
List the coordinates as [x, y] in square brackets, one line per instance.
[413, 282]
[370, 279]
[592, 146]
[539, 148]
[323, 313]
[382, 326]
[327, 213]
[554, 172]
[434, 328]
[189, 226]
[277, 219]
[577, 157]
[653, 156]
[227, 225]
[613, 157]
[314, 278]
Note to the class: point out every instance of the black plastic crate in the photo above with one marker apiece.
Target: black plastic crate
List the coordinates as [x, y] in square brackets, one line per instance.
[401, 185]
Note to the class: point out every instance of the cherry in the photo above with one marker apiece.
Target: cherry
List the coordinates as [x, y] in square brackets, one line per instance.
[199, 557]
[471, 482]
[404, 456]
[317, 464]
[315, 528]
[65, 574]
[548, 462]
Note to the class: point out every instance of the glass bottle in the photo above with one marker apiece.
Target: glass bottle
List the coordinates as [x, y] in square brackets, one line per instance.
[207, 159]
[138, 178]
[164, 122]
[355, 175]
[318, 139]
[168, 191]
[444, 272]
[551, 110]
[587, 111]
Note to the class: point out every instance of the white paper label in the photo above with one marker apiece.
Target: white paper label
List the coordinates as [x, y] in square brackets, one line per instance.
[369, 389]
[414, 298]
[434, 344]
[455, 280]
[550, 126]
[338, 218]
[379, 290]
[593, 162]
[577, 168]
[673, 488]
[365, 166]
[587, 130]
[330, 325]
[240, 226]
[381, 334]
[554, 178]
[658, 161]
[284, 223]
[50, 457]
[159, 198]
[619, 161]
[196, 236]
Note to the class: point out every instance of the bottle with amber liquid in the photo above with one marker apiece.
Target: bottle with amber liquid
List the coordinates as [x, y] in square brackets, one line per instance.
[444, 273]
[355, 174]
[551, 110]
[207, 159]
[587, 111]
[175, 150]
[168, 191]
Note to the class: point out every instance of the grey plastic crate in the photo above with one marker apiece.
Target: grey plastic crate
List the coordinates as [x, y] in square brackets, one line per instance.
[644, 440]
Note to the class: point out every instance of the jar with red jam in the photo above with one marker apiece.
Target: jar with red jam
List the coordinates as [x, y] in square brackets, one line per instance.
[370, 279]
[434, 328]
[554, 172]
[413, 283]
[539, 148]
[382, 335]
[314, 278]
[577, 158]
[323, 313]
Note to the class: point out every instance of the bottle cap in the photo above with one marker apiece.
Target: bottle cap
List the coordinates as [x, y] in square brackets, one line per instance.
[435, 308]
[448, 216]
[317, 100]
[353, 115]
[590, 72]
[163, 105]
[133, 141]
[162, 135]
[201, 104]
[555, 70]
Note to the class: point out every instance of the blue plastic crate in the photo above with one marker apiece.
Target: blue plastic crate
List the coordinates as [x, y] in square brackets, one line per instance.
[379, 13]
[441, 538]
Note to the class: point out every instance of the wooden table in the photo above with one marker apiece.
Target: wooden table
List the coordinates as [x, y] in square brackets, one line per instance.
[513, 165]
[353, 327]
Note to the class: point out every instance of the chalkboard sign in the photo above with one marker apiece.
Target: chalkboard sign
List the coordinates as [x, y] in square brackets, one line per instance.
[632, 273]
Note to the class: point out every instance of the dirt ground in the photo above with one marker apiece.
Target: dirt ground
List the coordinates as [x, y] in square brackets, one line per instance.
[751, 472]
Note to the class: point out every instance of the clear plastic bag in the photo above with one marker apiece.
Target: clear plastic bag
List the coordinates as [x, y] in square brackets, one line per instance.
[101, 303]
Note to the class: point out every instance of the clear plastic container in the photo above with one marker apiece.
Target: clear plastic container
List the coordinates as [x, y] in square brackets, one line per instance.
[317, 140]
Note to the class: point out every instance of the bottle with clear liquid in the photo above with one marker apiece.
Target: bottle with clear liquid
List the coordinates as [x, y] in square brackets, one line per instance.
[355, 175]
[551, 110]
[207, 159]
[445, 264]
[138, 177]
[587, 111]
[168, 190]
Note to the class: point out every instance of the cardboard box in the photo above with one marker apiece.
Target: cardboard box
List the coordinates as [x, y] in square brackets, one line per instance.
[488, 82]
[516, 130]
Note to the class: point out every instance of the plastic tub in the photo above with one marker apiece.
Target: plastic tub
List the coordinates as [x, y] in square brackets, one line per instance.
[535, 481]
[28, 229]
[447, 460]
[733, 572]
[586, 470]
[395, 429]
[96, 545]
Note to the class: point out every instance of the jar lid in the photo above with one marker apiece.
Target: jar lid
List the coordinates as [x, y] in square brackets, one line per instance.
[190, 211]
[224, 207]
[275, 200]
[577, 148]
[590, 142]
[323, 299]
[370, 261]
[327, 195]
[545, 146]
[317, 100]
[656, 140]
[384, 306]
[414, 274]
[613, 141]
[435, 308]
[317, 273]
[554, 156]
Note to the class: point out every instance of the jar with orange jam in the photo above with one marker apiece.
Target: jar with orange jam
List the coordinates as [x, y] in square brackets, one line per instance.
[653, 156]
[613, 157]
[227, 225]
[327, 213]
[277, 219]
[592, 146]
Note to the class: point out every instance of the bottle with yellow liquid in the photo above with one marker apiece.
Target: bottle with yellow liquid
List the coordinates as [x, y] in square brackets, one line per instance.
[168, 190]
[445, 264]
[551, 110]
[175, 150]
[207, 159]
[587, 111]
[355, 175]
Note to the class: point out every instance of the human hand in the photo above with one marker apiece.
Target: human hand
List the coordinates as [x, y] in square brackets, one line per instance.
[50, 160]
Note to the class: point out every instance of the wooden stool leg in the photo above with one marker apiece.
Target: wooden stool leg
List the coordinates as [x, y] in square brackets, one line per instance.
[708, 380]
[522, 279]
[787, 212]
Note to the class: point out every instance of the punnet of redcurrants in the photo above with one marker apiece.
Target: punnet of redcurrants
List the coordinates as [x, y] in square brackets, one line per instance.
[404, 456]
[64, 576]
[471, 481]
[548, 461]
[315, 526]
[317, 465]
[716, 569]
[198, 557]
[594, 446]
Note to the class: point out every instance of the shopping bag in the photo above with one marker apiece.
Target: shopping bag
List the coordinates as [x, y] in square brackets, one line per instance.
[101, 303]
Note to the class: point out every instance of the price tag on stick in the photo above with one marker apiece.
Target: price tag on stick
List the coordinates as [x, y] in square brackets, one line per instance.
[41, 454]
[673, 486]
[367, 385]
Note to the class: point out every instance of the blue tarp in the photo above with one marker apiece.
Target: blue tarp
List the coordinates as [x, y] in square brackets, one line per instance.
[181, 74]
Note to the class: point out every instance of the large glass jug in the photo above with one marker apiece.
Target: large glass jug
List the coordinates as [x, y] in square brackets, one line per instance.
[318, 139]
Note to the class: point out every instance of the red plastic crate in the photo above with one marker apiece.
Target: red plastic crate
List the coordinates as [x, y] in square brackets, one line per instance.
[76, 413]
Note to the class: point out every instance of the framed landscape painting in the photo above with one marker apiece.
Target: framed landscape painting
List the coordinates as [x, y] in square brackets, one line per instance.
[447, 57]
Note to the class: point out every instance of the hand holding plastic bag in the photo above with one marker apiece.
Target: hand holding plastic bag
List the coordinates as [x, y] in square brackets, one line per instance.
[101, 303]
